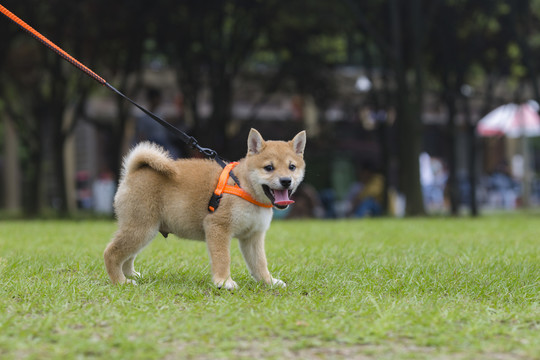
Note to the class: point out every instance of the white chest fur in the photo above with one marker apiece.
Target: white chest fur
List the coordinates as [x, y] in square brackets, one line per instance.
[250, 219]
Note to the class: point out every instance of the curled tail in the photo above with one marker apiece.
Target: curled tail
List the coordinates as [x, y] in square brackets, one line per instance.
[150, 155]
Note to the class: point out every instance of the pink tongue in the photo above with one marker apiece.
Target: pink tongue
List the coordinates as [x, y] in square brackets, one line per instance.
[281, 197]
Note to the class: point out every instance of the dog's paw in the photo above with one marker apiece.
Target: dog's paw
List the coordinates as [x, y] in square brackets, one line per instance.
[130, 282]
[278, 283]
[133, 275]
[228, 284]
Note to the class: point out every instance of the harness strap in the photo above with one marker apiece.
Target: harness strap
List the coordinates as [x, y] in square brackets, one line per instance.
[223, 187]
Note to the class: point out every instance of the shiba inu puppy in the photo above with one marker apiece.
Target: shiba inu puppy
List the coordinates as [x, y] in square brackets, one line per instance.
[159, 194]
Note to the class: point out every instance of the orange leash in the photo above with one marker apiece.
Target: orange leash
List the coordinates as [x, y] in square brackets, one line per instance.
[189, 140]
[223, 187]
[52, 45]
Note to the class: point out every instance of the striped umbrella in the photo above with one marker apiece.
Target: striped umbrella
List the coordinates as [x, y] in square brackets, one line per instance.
[511, 120]
[515, 121]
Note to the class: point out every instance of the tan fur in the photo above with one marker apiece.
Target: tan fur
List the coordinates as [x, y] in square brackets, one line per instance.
[157, 193]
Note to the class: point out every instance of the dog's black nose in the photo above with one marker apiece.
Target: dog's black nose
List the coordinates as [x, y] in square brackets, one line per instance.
[285, 182]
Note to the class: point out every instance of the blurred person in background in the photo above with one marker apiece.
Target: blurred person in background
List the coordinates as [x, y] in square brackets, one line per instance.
[369, 198]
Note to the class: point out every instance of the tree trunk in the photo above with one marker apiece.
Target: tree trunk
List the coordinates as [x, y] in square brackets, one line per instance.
[30, 135]
[118, 133]
[31, 165]
[451, 134]
[471, 134]
[56, 106]
[409, 145]
[408, 106]
[60, 204]
[12, 173]
[221, 114]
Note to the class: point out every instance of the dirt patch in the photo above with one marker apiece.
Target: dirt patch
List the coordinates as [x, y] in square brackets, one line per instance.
[290, 351]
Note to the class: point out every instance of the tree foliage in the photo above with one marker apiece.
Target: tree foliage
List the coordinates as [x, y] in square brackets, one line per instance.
[415, 45]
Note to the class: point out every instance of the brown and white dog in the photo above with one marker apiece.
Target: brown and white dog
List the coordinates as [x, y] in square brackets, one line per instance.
[159, 194]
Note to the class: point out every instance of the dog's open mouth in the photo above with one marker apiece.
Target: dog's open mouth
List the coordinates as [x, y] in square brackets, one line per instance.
[279, 198]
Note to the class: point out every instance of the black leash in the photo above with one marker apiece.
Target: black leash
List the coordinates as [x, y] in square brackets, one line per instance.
[189, 140]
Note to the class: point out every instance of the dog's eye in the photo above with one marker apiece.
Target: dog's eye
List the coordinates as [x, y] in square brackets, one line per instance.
[292, 167]
[269, 168]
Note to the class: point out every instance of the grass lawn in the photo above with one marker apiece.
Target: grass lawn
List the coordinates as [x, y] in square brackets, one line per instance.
[369, 289]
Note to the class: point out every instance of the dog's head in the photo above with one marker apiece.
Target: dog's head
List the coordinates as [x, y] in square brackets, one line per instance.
[276, 168]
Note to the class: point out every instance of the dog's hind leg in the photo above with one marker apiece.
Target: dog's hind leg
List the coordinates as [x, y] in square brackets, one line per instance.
[121, 251]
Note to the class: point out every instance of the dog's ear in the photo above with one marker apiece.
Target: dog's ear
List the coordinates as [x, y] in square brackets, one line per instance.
[255, 142]
[299, 142]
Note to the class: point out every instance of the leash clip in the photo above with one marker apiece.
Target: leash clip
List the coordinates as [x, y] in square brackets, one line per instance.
[209, 153]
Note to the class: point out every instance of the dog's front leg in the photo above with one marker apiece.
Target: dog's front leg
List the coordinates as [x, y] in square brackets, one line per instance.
[218, 244]
[253, 251]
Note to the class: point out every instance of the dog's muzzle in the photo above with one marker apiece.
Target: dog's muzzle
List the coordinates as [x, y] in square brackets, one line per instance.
[280, 198]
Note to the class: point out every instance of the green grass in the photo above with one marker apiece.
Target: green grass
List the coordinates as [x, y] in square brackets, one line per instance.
[372, 289]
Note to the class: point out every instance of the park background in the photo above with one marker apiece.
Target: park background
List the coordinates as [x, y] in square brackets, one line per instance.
[388, 83]
[377, 82]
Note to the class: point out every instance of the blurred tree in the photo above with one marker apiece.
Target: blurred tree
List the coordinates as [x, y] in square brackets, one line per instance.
[210, 52]
[453, 53]
[304, 43]
[11, 191]
[28, 91]
[41, 91]
[21, 97]
[117, 48]
[473, 45]
[399, 31]
[207, 43]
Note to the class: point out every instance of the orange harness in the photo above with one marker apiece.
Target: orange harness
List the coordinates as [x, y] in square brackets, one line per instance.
[223, 187]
